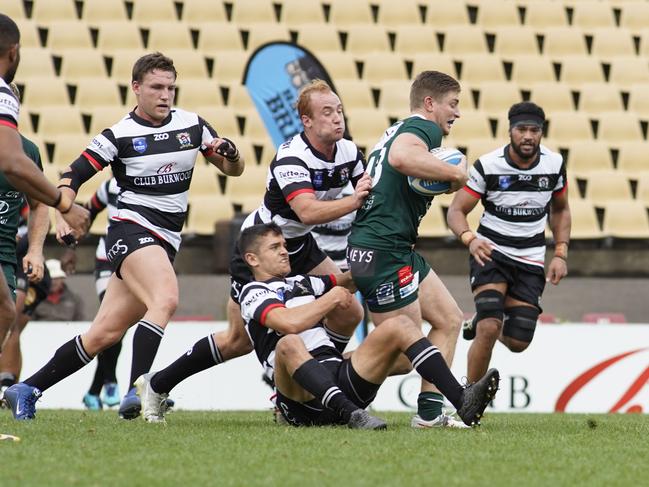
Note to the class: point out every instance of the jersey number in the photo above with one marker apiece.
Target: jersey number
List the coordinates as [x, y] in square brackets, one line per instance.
[375, 165]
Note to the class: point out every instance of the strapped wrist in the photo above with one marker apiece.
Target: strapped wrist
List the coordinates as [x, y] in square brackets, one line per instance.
[467, 239]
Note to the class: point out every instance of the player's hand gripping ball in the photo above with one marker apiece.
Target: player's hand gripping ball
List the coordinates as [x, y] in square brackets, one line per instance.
[427, 187]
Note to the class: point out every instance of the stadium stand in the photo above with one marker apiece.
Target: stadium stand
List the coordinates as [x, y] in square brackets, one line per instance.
[53, 10]
[145, 11]
[626, 220]
[297, 12]
[94, 11]
[404, 13]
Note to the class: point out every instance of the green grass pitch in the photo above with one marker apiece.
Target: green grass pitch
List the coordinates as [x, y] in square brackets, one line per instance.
[70, 448]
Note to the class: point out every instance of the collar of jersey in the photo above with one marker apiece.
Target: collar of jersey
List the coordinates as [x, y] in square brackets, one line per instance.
[141, 121]
[516, 166]
[317, 153]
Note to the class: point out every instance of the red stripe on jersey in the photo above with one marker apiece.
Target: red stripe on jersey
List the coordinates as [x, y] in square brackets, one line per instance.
[267, 310]
[8, 124]
[475, 194]
[298, 192]
[92, 161]
[562, 190]
[333, 280]
[96, 203]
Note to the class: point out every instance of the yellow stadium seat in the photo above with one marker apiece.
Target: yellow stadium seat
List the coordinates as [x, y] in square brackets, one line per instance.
[471, 125]
[92, 92]
[41, 90]
[632, 157]
[498, 96]
[205, 211]
[402, 13]
[229, 67]
[14, 9]
[222, 120]
[576, 70]
[379, 66]
[319, 37]
[354, 94]
[599, 97]
[604, 186]
[252, 183]
[627, 70]
[254, 127]
[88, 189]
[477, 68]
[118, 35]
[80, 63]
[365, 38]
[344, 13]
[552, 96]
[395, 98]
[618, 126]
[28, 33]
[56, 120]
[433, 224]
[479, 147]
[567, 127]
[145, 11]
[612, 42]
[215, 38]
[562, 41]
[194, 94]
[104, 117]
[585, 157]
[413, 39]
[35, 61]
[339, 65]
[514, 40]
[189, 64]
[168, 35]
[240, 99]
[67, 147]
[64, 34]
[298, 12]
[244, 11]
[530, 69]
[204, 179]
[643, 186]
[638, 100]
[592, 14]
[496, 14]
[122, 63]
[54, 10]
[442, 14]
[101, 11]
[367, 125]
[635, 15]
[540, 15]
[467, 39]
[203, 11]
[625, 219]
[584, 220]
[261, 33]
[432, 61]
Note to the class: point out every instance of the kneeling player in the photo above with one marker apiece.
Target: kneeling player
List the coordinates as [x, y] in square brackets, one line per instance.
[315, 384]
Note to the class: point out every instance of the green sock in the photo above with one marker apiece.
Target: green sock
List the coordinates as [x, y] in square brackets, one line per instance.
[429, 405]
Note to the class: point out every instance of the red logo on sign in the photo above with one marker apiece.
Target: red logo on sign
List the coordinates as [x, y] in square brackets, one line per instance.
[405, 275]
[581, 381]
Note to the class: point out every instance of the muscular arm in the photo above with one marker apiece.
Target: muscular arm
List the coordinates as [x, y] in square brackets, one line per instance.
[38, 225]
[410, 156]
[312, 211]
[463, 203]
[560, 219]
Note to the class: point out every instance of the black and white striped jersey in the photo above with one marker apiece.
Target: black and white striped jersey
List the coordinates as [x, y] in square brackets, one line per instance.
[9, 106]
[516, 201]
[153, 166]
[259, 298]
[105, 198]
[299, 168]
[332, 237]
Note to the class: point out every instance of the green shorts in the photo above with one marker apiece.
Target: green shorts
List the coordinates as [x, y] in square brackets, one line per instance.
[9, 271]
[388, 280]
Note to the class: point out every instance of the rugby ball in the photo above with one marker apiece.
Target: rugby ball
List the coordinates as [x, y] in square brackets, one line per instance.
[427, 187]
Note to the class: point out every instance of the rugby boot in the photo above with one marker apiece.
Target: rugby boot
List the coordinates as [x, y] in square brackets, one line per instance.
[476, 397]
[110, 394]
[92, 402]
[362, 420]
[442, 421]
[154, 404]
[21, 399]
[130, 406]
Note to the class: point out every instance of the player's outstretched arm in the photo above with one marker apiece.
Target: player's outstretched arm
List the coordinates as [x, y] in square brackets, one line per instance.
[37, 227]
[222, 153]
[463, 203]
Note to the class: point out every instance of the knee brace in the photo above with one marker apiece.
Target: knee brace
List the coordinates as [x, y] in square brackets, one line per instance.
[520, 322]
[489, 304]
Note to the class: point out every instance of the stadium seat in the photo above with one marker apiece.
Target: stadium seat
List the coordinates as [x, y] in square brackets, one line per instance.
[28, 33]
[626, 219]
[364, 38]
[638, 100]
[413, 39]
[252, 183]
[240, 99]
[585, 157]
[426, 61]
[42, 90]
[603, 318]
[168, 35]
[254, 127]
[477, 68]
[213, 38]
[530, 69]
[344, 13]
[379, 66]
[567, 127]
[354, 94]
[576, 70]
[105, 116]
[552, 96]
[608, 43]
[245, 11]
[64, 34]
[618, 126]
[88, 189]
[635, 15]
[497, 96]
[584, 220]
[122, 63]
[145, 11]
[229, 67]
[442, 14]
[203, 11]
[394, 98]
[80, 63]
[339, 65]
[194, 94]
[471, 125]
[562, 41]
[367, 125]
[67, 147]
[627, 70]
[14, 9]
[53, 10]
[118, 35]
[515, 40]
[496, 14]
[433, 224]
[189, 64]
[460, 40]
[605, 186]
[205, 211]
[589, 14]
[633, 157]
[540, 15]
[92, 92]
[599, 97]
[644, 42]
[480, 147]
[222, 119]
[642, 193]
[204, 179]
[319, 37]
[95, 11]
[298, 12]
[57, 120]
[35, 61]
[261, 33]
[399, 14]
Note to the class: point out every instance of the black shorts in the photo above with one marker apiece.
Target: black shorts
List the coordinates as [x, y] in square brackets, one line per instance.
[304, 255]
[124, 238]
[525, 282]
[313, 413]
[35, 293]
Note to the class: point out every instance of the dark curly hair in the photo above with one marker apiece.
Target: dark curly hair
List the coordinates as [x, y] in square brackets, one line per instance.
[526, 108]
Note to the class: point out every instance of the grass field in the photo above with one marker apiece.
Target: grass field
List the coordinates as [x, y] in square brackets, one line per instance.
[247, 448]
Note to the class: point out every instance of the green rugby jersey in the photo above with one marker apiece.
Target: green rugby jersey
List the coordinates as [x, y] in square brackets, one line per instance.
[390, 216]
[11, 202]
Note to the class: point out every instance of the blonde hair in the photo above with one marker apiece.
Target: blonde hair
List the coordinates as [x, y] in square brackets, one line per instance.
[431, 83]
[303, 104]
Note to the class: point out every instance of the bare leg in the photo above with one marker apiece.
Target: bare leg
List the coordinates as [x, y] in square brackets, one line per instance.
[11, 358]
[7, 309]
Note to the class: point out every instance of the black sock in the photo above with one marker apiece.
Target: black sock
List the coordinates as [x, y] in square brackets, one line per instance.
[339, 341]
[203, 355]
[108, 362]
[69, 358]
[316, 379]
[430, 364]
[146, 341]
[98, 380]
